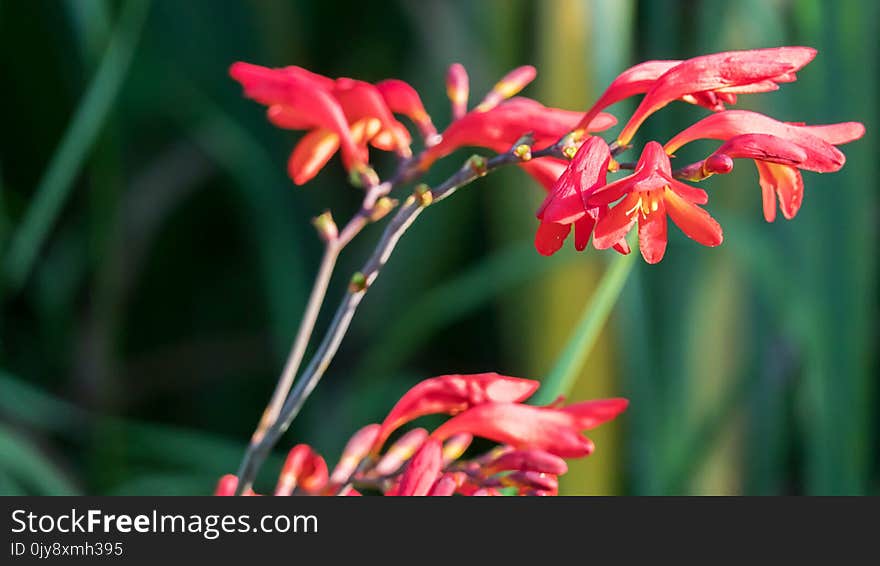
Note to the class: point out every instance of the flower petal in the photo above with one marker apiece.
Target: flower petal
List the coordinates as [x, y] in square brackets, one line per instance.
[451, 394]
[714, 72]
[310, 155]
[652, 234]
[614, 226]
[550, 237]
[695, 222]
[422, 470]
[785, 181]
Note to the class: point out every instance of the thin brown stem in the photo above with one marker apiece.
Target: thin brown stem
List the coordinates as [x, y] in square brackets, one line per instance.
[361, 282]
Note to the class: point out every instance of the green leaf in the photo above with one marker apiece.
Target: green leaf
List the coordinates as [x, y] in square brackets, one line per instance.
[56, 184]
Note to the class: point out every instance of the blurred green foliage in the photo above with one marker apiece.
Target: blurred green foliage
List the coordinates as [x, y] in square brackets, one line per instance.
[156, 259]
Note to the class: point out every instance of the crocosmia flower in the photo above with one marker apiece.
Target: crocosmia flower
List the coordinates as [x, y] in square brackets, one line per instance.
[549, 429]
[452, 394]
[342, 114]
[778, 149]
[533, 443]
[713, 79]
[566, 204]
[648, 196]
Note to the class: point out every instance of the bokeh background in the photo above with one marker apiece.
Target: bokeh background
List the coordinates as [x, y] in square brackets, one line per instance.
[156, 259]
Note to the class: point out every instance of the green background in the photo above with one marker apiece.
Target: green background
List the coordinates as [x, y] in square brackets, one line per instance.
[150, 297]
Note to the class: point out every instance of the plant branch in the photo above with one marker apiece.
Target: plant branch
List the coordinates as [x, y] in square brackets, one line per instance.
[475, 168]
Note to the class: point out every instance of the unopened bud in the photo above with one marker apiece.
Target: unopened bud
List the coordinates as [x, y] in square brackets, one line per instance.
[523, 152]
[456, 446]
[363, 176]
[382, 207]
[511, 84]
[477, 164]
[423, 195]
[358, 283]
[718, 164]
[326, 227]
[457, 89]
[355, 450]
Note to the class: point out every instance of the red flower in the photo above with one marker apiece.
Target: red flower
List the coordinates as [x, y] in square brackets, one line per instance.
[499, 128]
[422, 470]
[553, 430]
[703, 79]
[452, 394]
[779, 150]
[566, 204]
[651, 193]
[300, 100]
[341, 114]
[303, 468]
[401, 98]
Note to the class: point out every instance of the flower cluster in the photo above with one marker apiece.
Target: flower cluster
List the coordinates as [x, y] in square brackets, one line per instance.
[533, 442]
[349, 115]
[654, 191]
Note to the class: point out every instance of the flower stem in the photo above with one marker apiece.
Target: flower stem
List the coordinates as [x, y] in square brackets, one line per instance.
[298, 349]
[406, 215]
[564, 374]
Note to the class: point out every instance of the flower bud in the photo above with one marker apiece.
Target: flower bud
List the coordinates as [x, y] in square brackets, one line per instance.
[326, 227]
[358, 283]
[510, 85]
[457, 89]
[423, 194]
[382, 207]
[358, 447]
[477, 164]
[456, 446]
[400, 452]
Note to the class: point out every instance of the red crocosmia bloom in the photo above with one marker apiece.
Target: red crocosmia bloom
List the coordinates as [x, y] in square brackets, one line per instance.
[422, 471]
[500, 127]
[565, 205]
[651, 193]
[303, 468]
[508, 86]
[553, 430]
[301, 102]
[360, 100]
[779, 150]
[355, 450]
[457, 89]
[452, 394]
[403, 99]
[709, 80]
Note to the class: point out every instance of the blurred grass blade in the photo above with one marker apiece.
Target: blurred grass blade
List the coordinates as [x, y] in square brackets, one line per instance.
[23, 403]
[56, 183]
[562, 377]
[21, 461]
